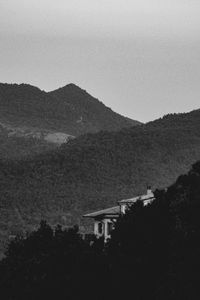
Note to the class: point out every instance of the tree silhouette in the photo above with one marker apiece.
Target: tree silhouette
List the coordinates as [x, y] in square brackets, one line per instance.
[153, 253]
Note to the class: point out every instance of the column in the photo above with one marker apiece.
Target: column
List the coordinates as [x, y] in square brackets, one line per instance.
[96, 228]
[105, 229]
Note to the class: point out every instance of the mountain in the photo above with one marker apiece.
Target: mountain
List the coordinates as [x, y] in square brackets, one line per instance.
[36, 121]
[93, 171]
[87, 113]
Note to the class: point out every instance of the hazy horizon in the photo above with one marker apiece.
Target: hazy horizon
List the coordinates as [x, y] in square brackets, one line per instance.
[139, 57]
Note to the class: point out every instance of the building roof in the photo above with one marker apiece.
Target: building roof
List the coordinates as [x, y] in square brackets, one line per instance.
[112, 211]
[149, 196]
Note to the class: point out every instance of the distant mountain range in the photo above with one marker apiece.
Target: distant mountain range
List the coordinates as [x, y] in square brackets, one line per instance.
[33, 121]
[93, 171]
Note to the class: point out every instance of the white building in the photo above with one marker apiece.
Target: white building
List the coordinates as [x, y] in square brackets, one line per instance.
[104, 219]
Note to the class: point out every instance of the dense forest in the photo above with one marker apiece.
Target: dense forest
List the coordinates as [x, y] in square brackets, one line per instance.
[94, 171]
[153, 253]
[69, 109]
[34, 121]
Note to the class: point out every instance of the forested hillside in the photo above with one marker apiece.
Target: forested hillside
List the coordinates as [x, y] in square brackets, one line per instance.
[69, 109]
[156, 245]
[34, 121]
[95, 170]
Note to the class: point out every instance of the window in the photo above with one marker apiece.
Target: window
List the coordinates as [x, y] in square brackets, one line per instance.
[100, 228]
[109, 228]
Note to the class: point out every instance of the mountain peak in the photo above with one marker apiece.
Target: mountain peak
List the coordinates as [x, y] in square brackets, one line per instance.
[60, 110]
[18, 86]
[70, 87]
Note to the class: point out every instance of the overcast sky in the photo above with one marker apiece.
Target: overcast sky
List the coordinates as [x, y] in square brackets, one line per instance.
[140, 57]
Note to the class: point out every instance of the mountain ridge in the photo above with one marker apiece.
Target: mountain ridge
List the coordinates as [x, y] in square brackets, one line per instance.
[95, 170]
[66, 112]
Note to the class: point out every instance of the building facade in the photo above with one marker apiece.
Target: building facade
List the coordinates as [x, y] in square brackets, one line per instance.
[105, 219]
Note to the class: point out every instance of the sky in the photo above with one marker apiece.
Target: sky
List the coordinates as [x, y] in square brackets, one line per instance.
[139, 57]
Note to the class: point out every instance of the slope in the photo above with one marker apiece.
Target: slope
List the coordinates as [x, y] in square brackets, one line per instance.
[69, 109]
[34, 121]
[95, 170]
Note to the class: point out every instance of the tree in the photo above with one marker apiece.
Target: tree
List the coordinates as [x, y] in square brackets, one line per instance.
[140, 244]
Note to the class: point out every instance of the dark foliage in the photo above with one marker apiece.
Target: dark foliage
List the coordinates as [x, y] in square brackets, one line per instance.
[49, 264]
[153, 254]
[94, 171]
